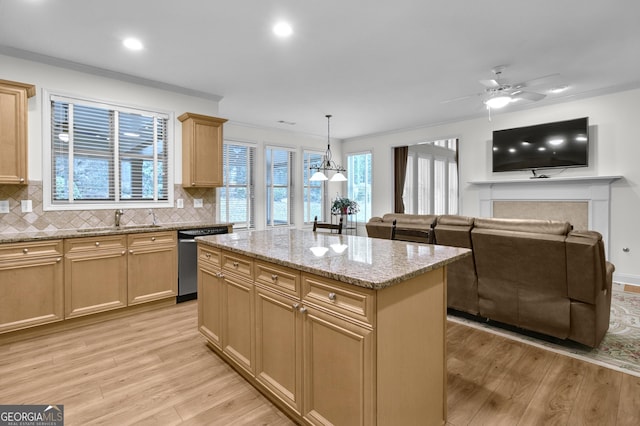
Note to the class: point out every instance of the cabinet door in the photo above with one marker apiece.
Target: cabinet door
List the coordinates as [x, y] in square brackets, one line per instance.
[279, 346]
[13, 136]
[95, 282]
[201, 150]
[338, 365]
[210, 304]
[238, 321]
[152, 267]
[31, 293]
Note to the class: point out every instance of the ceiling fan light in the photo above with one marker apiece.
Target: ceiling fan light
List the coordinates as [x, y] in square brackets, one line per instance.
[498, 102]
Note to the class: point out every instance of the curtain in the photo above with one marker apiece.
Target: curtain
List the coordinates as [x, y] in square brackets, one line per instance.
[400, 155]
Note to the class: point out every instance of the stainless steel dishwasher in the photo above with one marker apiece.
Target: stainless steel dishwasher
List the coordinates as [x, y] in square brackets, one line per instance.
[188, 260]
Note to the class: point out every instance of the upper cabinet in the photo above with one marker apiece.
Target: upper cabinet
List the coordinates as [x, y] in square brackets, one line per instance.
[201, 150]
[13, 131]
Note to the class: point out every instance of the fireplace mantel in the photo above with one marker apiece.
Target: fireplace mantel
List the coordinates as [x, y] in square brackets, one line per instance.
[596, 190]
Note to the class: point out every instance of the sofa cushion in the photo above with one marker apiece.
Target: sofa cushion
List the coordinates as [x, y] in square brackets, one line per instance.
[524, 225]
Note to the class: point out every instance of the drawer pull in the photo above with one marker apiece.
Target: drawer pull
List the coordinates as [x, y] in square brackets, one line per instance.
[274, 277]
[332, 296]
[207, 255]
[235, 265]
[219, 275]
[153, 238]
[97, 243]
[130, 251]
[58, 260]
[25, 251]
[296, 305]
[303, 310]
[124, 252]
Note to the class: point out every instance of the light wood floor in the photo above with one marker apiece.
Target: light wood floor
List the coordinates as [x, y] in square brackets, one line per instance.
[155, 369]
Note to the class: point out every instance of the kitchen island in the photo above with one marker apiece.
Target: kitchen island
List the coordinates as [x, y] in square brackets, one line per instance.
[334, 329]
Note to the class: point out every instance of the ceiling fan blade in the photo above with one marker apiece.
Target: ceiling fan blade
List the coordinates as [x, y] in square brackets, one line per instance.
[530, 96]
[547, 79]
[491, 84]
[461, 98]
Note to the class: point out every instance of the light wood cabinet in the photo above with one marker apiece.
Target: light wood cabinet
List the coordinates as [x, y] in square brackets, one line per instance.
[210, 295]
[325, 351]
[278, 338]
[31, 284]
[95, 274]
[152, 272]
[13, 136]
[202, 142]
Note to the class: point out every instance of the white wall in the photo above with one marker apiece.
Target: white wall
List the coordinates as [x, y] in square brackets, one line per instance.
[614, 150]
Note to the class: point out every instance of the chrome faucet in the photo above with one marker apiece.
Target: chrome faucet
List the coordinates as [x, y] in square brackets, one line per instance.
[119, 214]
[153, 217]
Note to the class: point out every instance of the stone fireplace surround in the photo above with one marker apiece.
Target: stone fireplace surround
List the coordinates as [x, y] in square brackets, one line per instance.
[592, 192]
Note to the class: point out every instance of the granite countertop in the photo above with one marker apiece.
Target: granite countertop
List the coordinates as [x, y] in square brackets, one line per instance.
[366, 262]
[16, 237]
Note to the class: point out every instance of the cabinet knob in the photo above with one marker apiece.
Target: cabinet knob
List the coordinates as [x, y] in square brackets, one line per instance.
[220, 275]
[296, 305]
[130, 251]
[97, 243]
[124, 252]
[274, 277]
[193, 184]
[332, 296]
[153, 238]
[303, 310]
[58, 260]
[25, 251]
[207, 255]
[235, 265]
[21, 180]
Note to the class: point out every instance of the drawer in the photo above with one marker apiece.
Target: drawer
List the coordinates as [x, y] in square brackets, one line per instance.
[96, 244]
[152, 238]
[355, 302]
[237, 264]
[209, 255]
[27, 250]
[278, 277]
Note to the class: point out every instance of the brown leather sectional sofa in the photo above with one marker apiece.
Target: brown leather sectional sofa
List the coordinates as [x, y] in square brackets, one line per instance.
[538, 275]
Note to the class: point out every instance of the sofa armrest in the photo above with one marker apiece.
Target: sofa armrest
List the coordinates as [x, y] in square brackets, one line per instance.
[588, 273]
[374, 219]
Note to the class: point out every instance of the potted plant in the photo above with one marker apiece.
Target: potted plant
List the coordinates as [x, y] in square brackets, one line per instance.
[343, 205]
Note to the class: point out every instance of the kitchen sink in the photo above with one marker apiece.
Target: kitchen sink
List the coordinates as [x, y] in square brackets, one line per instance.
[116, 228]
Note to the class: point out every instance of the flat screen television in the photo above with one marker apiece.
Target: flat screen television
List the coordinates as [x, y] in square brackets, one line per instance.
[559, 144]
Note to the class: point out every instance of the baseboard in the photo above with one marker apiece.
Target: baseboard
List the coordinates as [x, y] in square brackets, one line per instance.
[626, 279]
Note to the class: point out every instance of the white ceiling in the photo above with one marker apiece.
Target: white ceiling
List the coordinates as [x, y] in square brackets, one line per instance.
[376, 65]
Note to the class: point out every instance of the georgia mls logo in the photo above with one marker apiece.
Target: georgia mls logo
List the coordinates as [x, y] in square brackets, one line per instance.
[31, 415]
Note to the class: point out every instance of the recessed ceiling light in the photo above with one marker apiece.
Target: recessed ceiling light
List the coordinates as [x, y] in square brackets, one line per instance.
[282, 29]
[132, 43]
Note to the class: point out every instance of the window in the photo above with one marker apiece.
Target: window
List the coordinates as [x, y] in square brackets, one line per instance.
[314, 191]
[359, 183]
[235, 197]
[279, 167]
[431, 185]
[105, 155]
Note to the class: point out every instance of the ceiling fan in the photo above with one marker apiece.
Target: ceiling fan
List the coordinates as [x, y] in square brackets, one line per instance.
[498, 92]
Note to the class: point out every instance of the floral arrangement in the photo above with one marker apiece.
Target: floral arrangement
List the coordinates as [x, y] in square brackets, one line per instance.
[343, 205]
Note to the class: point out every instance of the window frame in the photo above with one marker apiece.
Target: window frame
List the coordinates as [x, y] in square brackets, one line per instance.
[47, 153]
[250, 186]
[365, 208]
[269, 188]
[306, 183]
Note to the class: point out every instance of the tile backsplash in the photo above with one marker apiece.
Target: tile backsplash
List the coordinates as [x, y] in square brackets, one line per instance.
[39, 220]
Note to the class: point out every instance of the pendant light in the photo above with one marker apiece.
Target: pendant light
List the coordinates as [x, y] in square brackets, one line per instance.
[328, 165]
